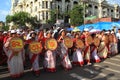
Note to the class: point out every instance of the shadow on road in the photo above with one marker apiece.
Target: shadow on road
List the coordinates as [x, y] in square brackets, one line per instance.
[86, 72]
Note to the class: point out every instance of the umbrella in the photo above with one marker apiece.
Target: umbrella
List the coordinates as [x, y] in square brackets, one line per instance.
[76, 29]
[69, 29]
[94, 31]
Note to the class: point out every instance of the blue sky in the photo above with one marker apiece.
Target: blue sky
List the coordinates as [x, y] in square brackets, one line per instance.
[6, 4]
[4, 8]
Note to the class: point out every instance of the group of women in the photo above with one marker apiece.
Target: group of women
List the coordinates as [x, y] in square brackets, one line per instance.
[73, 48]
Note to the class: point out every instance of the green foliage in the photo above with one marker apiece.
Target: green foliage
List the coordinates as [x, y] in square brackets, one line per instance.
[5, 28]
[52, 17]
[9, 18]
[21, 18]
[76, 15]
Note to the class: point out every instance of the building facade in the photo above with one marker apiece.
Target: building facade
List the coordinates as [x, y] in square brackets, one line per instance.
[101, 9]
[41, 8]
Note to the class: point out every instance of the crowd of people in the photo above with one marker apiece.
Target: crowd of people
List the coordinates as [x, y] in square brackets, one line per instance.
[109, 45]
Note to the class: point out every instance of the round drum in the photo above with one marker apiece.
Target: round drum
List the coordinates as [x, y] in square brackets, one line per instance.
[68, 42]
[96, 41]
[79, 43]
[16, 44]
[89, 40]
[35, 47]
[51, 44]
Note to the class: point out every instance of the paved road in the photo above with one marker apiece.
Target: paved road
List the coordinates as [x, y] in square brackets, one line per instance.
[106, 70]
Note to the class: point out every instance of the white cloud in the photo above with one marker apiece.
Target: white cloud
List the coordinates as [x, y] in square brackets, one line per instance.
[114, 1]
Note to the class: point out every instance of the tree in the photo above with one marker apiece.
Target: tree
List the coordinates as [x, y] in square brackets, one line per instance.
[76, 15]
[9, 18]
[52, 17]
[21, 18]
[5, 28]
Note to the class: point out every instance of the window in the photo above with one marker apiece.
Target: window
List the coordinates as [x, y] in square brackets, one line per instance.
[46, 15]
[46, 4]
[96, 7]
[51, 6]
[31, 5]
[43, 4]
[31, 10]
[43, 15]
[39, 4]
[39, 15]
[75, 2]
[35, 0]
[117, 10]
[90, 5]
[111, 10]
[35, 8]
[67, 0]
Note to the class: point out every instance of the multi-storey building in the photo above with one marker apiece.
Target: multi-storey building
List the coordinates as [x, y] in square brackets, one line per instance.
[41, 8]
[101, 8]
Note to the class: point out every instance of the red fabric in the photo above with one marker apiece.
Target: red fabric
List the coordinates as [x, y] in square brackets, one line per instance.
[1, 38]
[28, 41]
[93, 49]
[74, 40]
[64, 56]
[78, 63]
[97, 61]
[1, 43]
[86, 49]
[5, 39]
[82, 37]
[108, 48]
[11, 56]
[44, 40]
[33, 58]
[51, 69]
[88, 61]
[66, 69]
[40, 36]
[37, 72]
[16, 75]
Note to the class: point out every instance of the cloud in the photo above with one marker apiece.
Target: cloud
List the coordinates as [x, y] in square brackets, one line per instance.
[114, 1]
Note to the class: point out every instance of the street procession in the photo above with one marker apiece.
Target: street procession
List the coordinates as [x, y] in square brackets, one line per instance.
[84, 48]
[60, 40]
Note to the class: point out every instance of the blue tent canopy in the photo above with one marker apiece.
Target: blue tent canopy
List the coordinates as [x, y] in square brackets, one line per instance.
[82, 27]
[100, 26]
[103, 25]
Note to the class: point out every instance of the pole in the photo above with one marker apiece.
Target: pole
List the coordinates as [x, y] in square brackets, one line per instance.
[84, 12]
